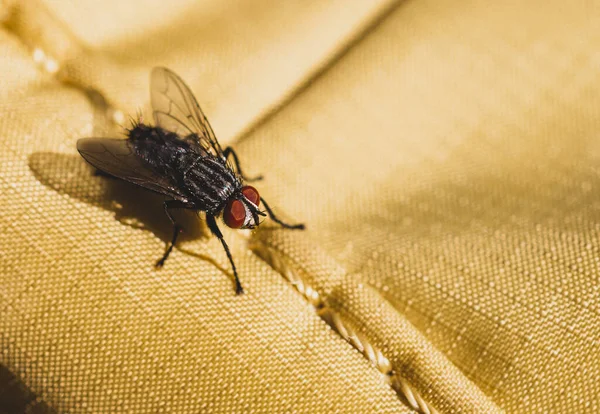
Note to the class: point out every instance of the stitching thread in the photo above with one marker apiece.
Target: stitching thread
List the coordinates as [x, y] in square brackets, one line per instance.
[400, 385]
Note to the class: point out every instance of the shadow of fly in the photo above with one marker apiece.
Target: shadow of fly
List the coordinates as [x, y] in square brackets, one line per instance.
[181, 158]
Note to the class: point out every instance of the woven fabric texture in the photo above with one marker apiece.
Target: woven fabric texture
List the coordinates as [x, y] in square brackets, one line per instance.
[444, 156]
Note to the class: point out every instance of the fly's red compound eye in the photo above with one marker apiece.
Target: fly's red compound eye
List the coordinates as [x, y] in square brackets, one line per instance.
[234, 214]
[251, 194]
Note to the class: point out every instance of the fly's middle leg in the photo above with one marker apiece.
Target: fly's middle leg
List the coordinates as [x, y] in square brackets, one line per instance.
[229, 151]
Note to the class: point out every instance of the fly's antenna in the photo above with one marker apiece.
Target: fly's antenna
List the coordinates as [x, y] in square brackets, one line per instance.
[254, 210]
[252, 207]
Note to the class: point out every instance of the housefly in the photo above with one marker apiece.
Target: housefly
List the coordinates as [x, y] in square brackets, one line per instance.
[181, 158]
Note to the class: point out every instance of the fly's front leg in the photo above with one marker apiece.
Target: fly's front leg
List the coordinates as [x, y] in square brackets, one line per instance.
[212, 225]
[276, 220]
[229, 151]
[170, 204]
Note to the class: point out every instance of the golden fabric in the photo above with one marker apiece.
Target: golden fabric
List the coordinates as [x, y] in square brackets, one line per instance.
[444, 155]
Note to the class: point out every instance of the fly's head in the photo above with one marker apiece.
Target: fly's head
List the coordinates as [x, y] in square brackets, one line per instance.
[241, 211]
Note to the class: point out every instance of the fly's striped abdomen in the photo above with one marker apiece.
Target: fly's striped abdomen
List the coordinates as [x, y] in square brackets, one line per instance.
[210, 183]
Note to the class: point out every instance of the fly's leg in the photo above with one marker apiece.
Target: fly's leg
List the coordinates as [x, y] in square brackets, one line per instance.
[176, 231]
[212, 225]
[229, 151]
[276, 220]
[168, 205]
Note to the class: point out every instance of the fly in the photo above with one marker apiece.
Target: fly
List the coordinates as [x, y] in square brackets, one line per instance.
[181, 158]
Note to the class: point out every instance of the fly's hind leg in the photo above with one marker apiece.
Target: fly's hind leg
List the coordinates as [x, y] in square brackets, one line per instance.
[212, 224]
[229, 151]
[168, 205]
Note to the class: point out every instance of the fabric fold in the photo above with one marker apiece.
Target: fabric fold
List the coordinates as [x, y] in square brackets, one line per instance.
[449, 162]
[87, 324]
[348, 304]
[446, 168]
[241, 60]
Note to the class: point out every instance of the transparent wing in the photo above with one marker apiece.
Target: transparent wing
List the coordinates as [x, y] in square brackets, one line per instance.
[117, 158]
[176, 110]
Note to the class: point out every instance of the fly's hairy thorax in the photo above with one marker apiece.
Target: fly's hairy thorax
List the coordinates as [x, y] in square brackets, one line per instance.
[211, 182]
[207, 181]
[162, 151]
